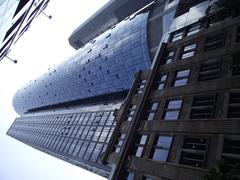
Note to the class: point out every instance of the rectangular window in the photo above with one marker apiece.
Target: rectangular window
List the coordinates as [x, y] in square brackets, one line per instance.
[161, 82]
[195, 28]
[210, 70]
[215, 41]
[177, 36]
[104, 118]
[131, 112]
[104, 134]
[234, 105]
[89, 151]
[139, 147]
[69, 143]
[97, 133]
[161, 148]
[110, 134]
[238, 34]
[172, 109]
[235, 66]
[77, 148]
[203, 107]
[181, 77]
[129, 176]
[110, 120]
[86, 117]
[152, 110]
[141, 86]
[194, 151]
[231, 151]
[90, 133]
[119, 144]
[74, 143]
[91, 118]
[216, 18]
[96, 152]
[188, 51]
[79, 131]
[147, 178]
[169, 57]
[83, 149]
[84, 133]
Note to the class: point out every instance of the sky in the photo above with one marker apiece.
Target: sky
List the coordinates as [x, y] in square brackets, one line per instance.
[43, 45]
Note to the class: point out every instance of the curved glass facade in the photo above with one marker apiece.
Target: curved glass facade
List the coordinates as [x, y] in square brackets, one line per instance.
[105, 65]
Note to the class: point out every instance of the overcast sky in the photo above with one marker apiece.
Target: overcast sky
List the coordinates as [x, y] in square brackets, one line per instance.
[42, 46]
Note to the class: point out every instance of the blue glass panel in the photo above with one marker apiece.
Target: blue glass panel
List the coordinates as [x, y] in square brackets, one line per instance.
[164, 141]
[174, 104]
[160, 154]
[171, 115]
[92, 73]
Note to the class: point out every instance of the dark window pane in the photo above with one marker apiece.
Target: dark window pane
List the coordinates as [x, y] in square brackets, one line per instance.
[231, 152]
[210, 70]
[235, 64]
[203, 107]
[215, 41]
[234, 105]
[238, 34]
[193, 153]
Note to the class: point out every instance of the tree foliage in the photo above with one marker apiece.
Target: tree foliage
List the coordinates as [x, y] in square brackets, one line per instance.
[223, 171]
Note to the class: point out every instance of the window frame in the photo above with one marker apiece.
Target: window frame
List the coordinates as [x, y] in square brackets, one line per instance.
[197, 99]
[159, 146]
[120, 142]
[169, 56]
[161, 83]
[191, 29]
[151, 112]
[233, 104]
[166, 109]
[177, 35]
[180, 78]
[208, 68]
[215, 41]
[233, 147]
[141, 86]
[193, 151]
[190, 48]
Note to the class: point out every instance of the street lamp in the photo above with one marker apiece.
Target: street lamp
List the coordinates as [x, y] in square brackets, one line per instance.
[13, 60]
[48, 16]
[41, 11]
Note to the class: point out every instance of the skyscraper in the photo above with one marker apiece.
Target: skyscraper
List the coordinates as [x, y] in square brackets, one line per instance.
[15, 19]
[69, 112]
[181, 117]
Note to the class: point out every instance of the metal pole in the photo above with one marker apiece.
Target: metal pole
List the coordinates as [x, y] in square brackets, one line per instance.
[14, 61]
